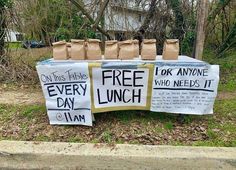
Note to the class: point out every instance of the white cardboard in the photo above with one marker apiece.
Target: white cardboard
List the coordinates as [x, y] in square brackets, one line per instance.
[66, 88]
[187, 88]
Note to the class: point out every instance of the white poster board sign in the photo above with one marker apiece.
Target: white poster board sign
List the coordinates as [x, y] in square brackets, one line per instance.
[188, 88]
[66, 89]
[121, 88]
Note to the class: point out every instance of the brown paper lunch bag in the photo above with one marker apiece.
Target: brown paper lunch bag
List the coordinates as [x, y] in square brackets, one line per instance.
[111, 49]
[136, 48]
[93, 49]
[148, 51]
[78, 49]
[60, 51]
[171, 49]
[126, 50]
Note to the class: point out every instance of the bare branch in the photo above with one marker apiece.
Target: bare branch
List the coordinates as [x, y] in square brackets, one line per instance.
[84, 11]
[217, 10]
[100, 13]
[147, 20]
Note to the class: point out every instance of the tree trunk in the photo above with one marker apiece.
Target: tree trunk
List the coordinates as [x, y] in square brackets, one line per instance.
[222, 28]
[2, 32]
[201, 27]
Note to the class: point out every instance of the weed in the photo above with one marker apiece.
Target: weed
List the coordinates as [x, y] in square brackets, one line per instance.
[168, 125]
[107, 136]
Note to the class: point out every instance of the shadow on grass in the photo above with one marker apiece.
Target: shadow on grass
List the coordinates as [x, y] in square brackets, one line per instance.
[147, 116]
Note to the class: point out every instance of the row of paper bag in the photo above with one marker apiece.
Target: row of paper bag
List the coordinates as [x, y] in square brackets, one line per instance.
[124, 50]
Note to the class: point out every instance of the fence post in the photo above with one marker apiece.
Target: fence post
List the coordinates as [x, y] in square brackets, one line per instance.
[202, 13]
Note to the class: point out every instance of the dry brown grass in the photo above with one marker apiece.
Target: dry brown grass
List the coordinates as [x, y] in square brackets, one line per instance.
[21, 66]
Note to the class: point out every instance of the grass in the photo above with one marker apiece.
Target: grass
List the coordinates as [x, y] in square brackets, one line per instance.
[75, 139]
[107, 136]
[229, 86]
[144, 116]
[14, 45]
[159, 129]
[227, 69]
[29, 111]
[168, 125]
[30, 122]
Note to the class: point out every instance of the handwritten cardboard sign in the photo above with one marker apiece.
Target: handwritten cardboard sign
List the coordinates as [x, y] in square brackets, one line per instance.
[67, 92]
[188, 88]
[120, 88]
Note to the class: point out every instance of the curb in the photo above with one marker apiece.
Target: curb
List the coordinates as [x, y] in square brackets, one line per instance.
[54, 155]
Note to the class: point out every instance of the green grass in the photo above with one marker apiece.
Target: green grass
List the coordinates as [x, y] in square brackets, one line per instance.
[7, 112]
[29, 111]
[222, 134]
[125, 116]
[75, 139]
[120, 141]
[94, 141]
[227, 65]
[226, 108]
[168, 125]
[14, 45]
[229, 86]
[42, 138]
[143, 116]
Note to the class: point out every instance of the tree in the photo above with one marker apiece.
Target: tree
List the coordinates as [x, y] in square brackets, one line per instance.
[149, 17]
[201, 27]
[229, 41]
[179, 26]
[94, 24]
[221, 4]
[221, 26]
[52, 20]
[4, 4]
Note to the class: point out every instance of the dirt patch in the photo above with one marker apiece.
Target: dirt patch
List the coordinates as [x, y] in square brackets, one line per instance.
[226, 95]
[21, 97]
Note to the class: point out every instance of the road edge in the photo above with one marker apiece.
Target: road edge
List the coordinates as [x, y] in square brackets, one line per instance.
[59, 155]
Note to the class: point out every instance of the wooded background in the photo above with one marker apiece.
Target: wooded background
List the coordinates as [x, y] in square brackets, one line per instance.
[187, 20]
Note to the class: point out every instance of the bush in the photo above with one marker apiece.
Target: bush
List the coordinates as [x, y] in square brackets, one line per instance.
[187, 45]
